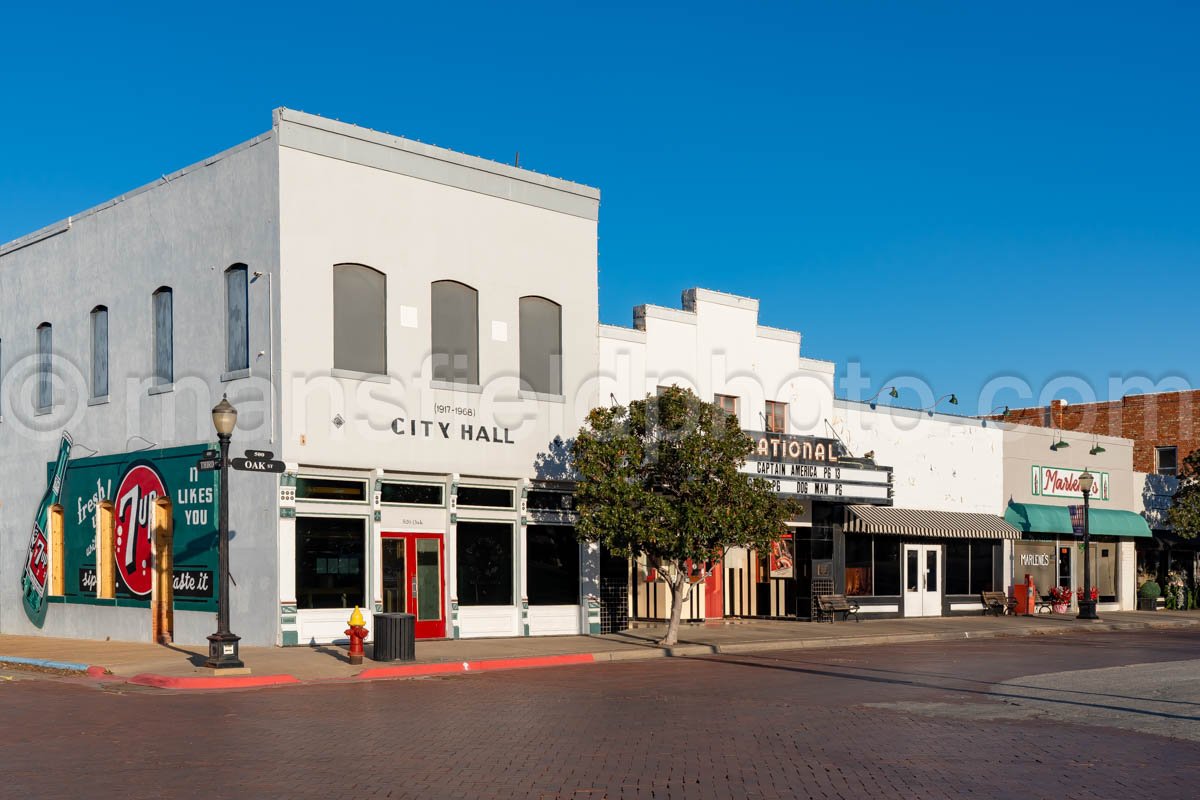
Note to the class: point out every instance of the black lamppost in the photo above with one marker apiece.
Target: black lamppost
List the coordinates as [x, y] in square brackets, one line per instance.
[1087, 606]
[223, 645]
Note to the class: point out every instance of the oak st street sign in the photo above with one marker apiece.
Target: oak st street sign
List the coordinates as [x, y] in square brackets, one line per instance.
[256, 465]
[255, 461]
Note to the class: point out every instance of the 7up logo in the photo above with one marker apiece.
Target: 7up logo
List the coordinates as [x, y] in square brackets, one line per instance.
[134, 506]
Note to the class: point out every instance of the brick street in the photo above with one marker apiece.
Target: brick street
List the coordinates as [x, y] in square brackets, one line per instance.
[925, 720]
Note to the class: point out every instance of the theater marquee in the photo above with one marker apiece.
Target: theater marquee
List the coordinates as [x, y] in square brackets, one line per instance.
[816, 468]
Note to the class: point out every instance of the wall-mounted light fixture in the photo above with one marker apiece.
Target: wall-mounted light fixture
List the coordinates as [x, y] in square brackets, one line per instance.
[952, 398]
[892, 393]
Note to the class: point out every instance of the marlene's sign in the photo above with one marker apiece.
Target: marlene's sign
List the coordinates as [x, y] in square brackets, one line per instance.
[1058, 482]
[808, 466]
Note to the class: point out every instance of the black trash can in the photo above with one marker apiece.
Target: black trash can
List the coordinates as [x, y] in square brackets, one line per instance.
[395, 637]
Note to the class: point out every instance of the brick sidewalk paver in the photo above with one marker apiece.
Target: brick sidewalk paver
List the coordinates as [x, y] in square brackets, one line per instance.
[329, 662]
[790, 724]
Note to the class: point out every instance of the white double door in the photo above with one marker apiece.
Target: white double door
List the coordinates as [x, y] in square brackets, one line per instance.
[922, 565]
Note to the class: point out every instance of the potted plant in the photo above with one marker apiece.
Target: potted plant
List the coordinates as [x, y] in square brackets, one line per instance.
[1060, 599]
[1148, 596]
[1176, 592]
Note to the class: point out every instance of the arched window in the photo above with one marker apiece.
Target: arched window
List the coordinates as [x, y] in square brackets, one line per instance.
[45, 366]
[540, 334]
[237, 322]
[455, 332]
[359, 319]
[99, 320]
[164, 336]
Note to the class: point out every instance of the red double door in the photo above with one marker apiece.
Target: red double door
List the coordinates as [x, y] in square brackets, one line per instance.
[414, 579]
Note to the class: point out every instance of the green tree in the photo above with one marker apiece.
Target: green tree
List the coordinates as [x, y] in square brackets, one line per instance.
[660, 479]
[1185, 506]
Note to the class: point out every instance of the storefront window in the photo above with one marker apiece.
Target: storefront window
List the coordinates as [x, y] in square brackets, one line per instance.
[330, 558]
[552, 557]
[325, 489]
[485, 564]
[1104, 570]
[859, 580]
[887, 566]
[485, 497]
[1038, 560]
[872, 566]
[970, 567]
[411, 494]
[983, 572]
[958, 568]
[822, 542]
[547, 500]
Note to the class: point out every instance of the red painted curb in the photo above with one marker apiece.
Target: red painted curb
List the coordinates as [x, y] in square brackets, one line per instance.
[454, 667]
[96, 672]
[232, 682]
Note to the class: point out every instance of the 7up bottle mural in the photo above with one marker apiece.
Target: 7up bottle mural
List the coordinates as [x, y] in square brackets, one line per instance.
[37, 565]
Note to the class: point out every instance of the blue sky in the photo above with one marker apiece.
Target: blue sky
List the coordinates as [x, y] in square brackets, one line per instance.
[949, 191]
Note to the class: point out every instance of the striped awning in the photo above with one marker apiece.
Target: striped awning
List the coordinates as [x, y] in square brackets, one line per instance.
[920, 522]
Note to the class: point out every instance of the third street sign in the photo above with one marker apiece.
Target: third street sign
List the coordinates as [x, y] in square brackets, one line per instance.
[256, 465]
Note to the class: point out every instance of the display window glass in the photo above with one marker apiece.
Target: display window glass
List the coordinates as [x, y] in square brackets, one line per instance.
[552, 560]
[872, 566]
[330, 562]
[412, 494]
[485, 563]
[485, 497]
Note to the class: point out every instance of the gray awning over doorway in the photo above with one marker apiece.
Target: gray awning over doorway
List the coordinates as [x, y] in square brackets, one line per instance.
[888, 520]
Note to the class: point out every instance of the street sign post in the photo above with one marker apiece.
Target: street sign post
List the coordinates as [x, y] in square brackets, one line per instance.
[256, 465]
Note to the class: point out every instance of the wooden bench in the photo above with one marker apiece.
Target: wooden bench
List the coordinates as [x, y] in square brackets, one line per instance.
[997, 603]
[830, 605]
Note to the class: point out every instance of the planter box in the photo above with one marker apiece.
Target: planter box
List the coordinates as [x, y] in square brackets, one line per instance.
[1148, 603]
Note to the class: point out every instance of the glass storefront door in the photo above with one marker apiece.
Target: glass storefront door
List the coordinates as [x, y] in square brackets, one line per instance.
[922, 580]
[413, 578]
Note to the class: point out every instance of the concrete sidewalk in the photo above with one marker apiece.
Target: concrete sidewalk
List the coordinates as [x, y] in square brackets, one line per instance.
[180, 666]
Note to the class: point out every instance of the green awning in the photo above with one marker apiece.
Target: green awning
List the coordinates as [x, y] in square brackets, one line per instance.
[1038, 518]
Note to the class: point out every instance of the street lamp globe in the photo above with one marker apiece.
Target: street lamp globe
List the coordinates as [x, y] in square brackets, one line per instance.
[224, 417]
[1086, 482]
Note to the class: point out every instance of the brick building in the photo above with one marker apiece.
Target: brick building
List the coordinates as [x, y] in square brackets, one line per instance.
[1165, 427]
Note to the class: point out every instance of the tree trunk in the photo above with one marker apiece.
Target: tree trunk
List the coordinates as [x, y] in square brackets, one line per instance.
[678, 585]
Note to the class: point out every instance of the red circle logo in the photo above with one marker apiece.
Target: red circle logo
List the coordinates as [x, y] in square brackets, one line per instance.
[134, 512]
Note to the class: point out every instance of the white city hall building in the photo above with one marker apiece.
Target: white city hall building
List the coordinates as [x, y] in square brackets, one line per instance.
[410, 330]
